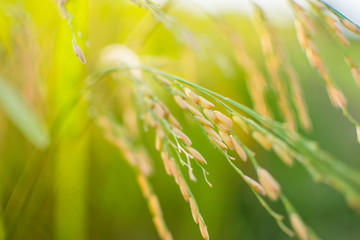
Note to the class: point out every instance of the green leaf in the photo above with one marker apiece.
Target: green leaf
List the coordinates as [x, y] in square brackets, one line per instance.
[22, 116]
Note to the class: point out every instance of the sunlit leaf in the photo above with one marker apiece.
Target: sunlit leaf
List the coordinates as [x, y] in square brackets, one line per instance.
[22, 116]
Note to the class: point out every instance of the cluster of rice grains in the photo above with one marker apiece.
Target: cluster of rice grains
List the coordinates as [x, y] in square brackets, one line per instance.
[286, 144]
[176, 148]
[305, 29]
[158, 117]
[218, 127]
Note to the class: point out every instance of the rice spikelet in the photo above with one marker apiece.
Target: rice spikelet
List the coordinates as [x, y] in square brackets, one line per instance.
[299, 226]
[159, 140]
[221, 144]
[181, 102]
[255, 185]
[206, 103]
[174, 122]
[203, 228]
[262, 140]
[239, 149]
[194, 111]
[226, 138]
[283, 154]
[184, 189]
[209, 114]
[185, 139]
[143, 161]
[144, 185]
[166, 160]
[203, 121]
[174, 170]
[223, 119]
[79, 53]
[270, 185]
[194, 210]
[212, 132]
[355, 71]
[241, 123]
[159, 110]
[194, 97]
[336, 97]
[196, 155]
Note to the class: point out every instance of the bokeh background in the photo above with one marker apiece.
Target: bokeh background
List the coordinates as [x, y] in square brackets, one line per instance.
[82, 188]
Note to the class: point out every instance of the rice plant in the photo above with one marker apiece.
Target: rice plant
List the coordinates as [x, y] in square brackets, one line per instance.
[177, 103]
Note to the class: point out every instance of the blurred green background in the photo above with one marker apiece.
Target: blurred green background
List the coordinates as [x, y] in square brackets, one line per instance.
[81, 188]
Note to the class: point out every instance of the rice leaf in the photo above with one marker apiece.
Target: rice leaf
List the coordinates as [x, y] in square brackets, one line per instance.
[22, 116]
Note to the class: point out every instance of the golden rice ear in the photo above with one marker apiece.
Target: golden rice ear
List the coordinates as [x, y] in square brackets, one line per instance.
[79, 53]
